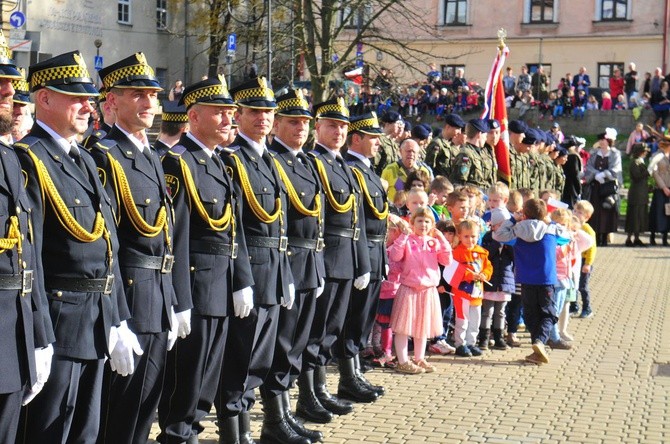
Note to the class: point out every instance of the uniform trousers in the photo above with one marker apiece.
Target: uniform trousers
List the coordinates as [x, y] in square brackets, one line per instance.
[359, 320]
[331, 310]
[249, 353]
[191, 366]
[292, 336]
[129, 402]
[10, 408]
[67, 410]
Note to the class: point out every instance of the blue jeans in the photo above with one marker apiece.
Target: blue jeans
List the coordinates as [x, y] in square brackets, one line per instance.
[584, 279]
[559, 300]
[578, 112]
[538, 310]
[558, 110]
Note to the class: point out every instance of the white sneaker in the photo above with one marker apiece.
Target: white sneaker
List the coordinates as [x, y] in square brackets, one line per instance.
[441, 347]
[566, 336]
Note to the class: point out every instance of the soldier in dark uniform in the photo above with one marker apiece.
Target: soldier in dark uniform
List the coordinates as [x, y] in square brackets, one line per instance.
[107, 119]
[174, 123]
[468, 167]
[305, 251]
[363, 143]
[389, 150]
[211, 273]
[443, 150]
[264, 201]
[27, 332]
[134, 180]
[20, 100]
[76, 230]
[489, 161]
[346, 257]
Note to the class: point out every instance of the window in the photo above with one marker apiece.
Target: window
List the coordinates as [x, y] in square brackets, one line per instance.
[541, 11]
[455, 12]
[449, 71]
[532, 68]
[355, 19]
[605, 71]
[161, 14]
[124, 12]
[612, 10]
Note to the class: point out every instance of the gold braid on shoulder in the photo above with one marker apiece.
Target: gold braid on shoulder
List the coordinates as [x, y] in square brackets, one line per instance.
[60, 209]
[340, 208]
[215, 224]
[123, 190]
[295, 199]
[364, 187]
[256, 207]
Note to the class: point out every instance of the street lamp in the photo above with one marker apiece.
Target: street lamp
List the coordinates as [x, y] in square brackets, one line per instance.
[98, 44]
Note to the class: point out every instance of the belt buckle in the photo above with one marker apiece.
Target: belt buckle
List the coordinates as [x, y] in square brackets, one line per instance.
[233, 250]
[357, 233]
[27, 281]
[283, 243]
[168, 262]
[109, 284]
[320, 244]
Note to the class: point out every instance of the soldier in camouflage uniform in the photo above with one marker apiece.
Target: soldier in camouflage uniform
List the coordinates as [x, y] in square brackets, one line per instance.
[489, 152]
[518, 157]
[559, 175]
[444, 149]
[389, 150]
[536, 172]
[468, 167]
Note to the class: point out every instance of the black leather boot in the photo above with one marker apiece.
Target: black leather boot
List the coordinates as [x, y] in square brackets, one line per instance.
[378, 389]
[328, 401]
[245, 429]
[229, 430]
[652, 238]
[312, 435]
[308, 406]
[483, 338]
[664, 239]
[275, 428]
[350, 387]
[500, 343]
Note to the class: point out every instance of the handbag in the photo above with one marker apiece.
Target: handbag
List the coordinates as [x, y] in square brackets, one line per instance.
[608, 188]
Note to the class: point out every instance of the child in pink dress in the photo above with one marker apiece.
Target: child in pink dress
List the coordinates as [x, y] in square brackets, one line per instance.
[416, 308]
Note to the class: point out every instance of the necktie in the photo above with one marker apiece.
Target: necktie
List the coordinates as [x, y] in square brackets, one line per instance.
[217, 161]
[76, 157]
[147, 153]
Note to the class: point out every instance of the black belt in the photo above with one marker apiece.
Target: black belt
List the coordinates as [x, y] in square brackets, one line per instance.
[162, 263]
[213, 248]
[23, 281]
[279, 243]
[81, 285]
[312, 244]
[351, 233]
[376, 237]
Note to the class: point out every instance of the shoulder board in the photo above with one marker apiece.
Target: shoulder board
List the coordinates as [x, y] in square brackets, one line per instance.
[104, 145]
[314, 154]
[177, 150]
[228, 150]
[26, 142]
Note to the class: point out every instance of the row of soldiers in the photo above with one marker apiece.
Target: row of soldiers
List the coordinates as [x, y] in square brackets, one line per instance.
[465, 153]
[135, 283]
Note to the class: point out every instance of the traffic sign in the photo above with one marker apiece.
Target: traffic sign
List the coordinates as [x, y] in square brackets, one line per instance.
[98, 63]
[232, 43]
[335, 58]
[17, 19]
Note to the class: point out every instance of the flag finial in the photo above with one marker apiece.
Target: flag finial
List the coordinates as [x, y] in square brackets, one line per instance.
[502, 35]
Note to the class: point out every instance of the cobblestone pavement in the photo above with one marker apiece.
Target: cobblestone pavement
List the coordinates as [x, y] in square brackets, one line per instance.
[604, 390]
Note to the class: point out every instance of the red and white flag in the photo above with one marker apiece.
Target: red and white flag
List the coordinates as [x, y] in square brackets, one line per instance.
[453, 273]
[355, 75]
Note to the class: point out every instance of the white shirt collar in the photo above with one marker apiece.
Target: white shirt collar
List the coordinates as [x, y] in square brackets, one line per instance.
[362, 158]
[259, 148]
[195, 140]
[137, 142]
[290, 150]
[334, 153]
[64, 143]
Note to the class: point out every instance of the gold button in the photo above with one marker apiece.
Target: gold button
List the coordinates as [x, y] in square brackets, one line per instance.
[129, 153]
[264, 189]
[130, 282]
[22, 236]
[377, 193]
[57, 157]
[147, 201]
[25, 264]
[18, 210]
[202, 160]
[302, 193]
[192, 268]
[59, 293]
[288, 253]
[215, 200]
[341, 190]
[289, 162]
[77, 201]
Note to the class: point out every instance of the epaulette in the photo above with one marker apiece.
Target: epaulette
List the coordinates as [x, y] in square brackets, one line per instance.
[177, 150]
[104, 144]
[314, 154]
[228, 150]
[26, 143]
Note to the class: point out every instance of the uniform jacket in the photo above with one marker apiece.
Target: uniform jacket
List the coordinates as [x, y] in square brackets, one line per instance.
[440, 155]
[490, 164]
[468, 167]
[161, 148]
[388, 153]
[269, 266]
[307, 265]
[202, 281]
[81, 321]
[519, 165]
[373, 225]
[149, 292]
[96, 136]
[344, 257]
[25, 320]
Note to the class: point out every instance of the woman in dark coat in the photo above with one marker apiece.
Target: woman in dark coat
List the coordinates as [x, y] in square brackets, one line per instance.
[638, 196]
[603, 167]
[659, 219]
[572, 190]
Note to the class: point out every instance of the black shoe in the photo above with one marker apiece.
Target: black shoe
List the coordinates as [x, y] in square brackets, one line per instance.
[574, 308]
[276, 429]
[629, 243]
[499, 340]
[378, 389]
[483, 339]
[308, 406]
[350, 387]
[652, 239]
[639, 243]
[476, 351]
[245, 429]
[463, 351]
[328, 401]
[664, 238]
[312, 435]
[229, 430]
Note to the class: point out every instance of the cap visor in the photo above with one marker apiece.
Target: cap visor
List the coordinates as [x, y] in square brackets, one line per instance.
[9, 72]
[21, 99]
[337, 117]
[140, 84]
[369, 131]
[295, 113]
[76, 89]
[216, 102]
[259, 104]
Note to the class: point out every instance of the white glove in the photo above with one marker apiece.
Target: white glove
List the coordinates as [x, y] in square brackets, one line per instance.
[173, 334]
[387, 269]
[361, 282]
[243, 302]
[43, 357]
[184, 320]
[608, 175]
[291, 297]
[122, 360]
[600, 177]
[320, 288]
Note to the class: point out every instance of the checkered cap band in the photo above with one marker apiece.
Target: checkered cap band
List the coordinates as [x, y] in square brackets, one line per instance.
[21, 86]
[363, 124]
[254, 94]
[103, 95]
[59, 75]
[291, 104]
[128, 73]
[332, 108]
[174, 117]
[208, 92]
